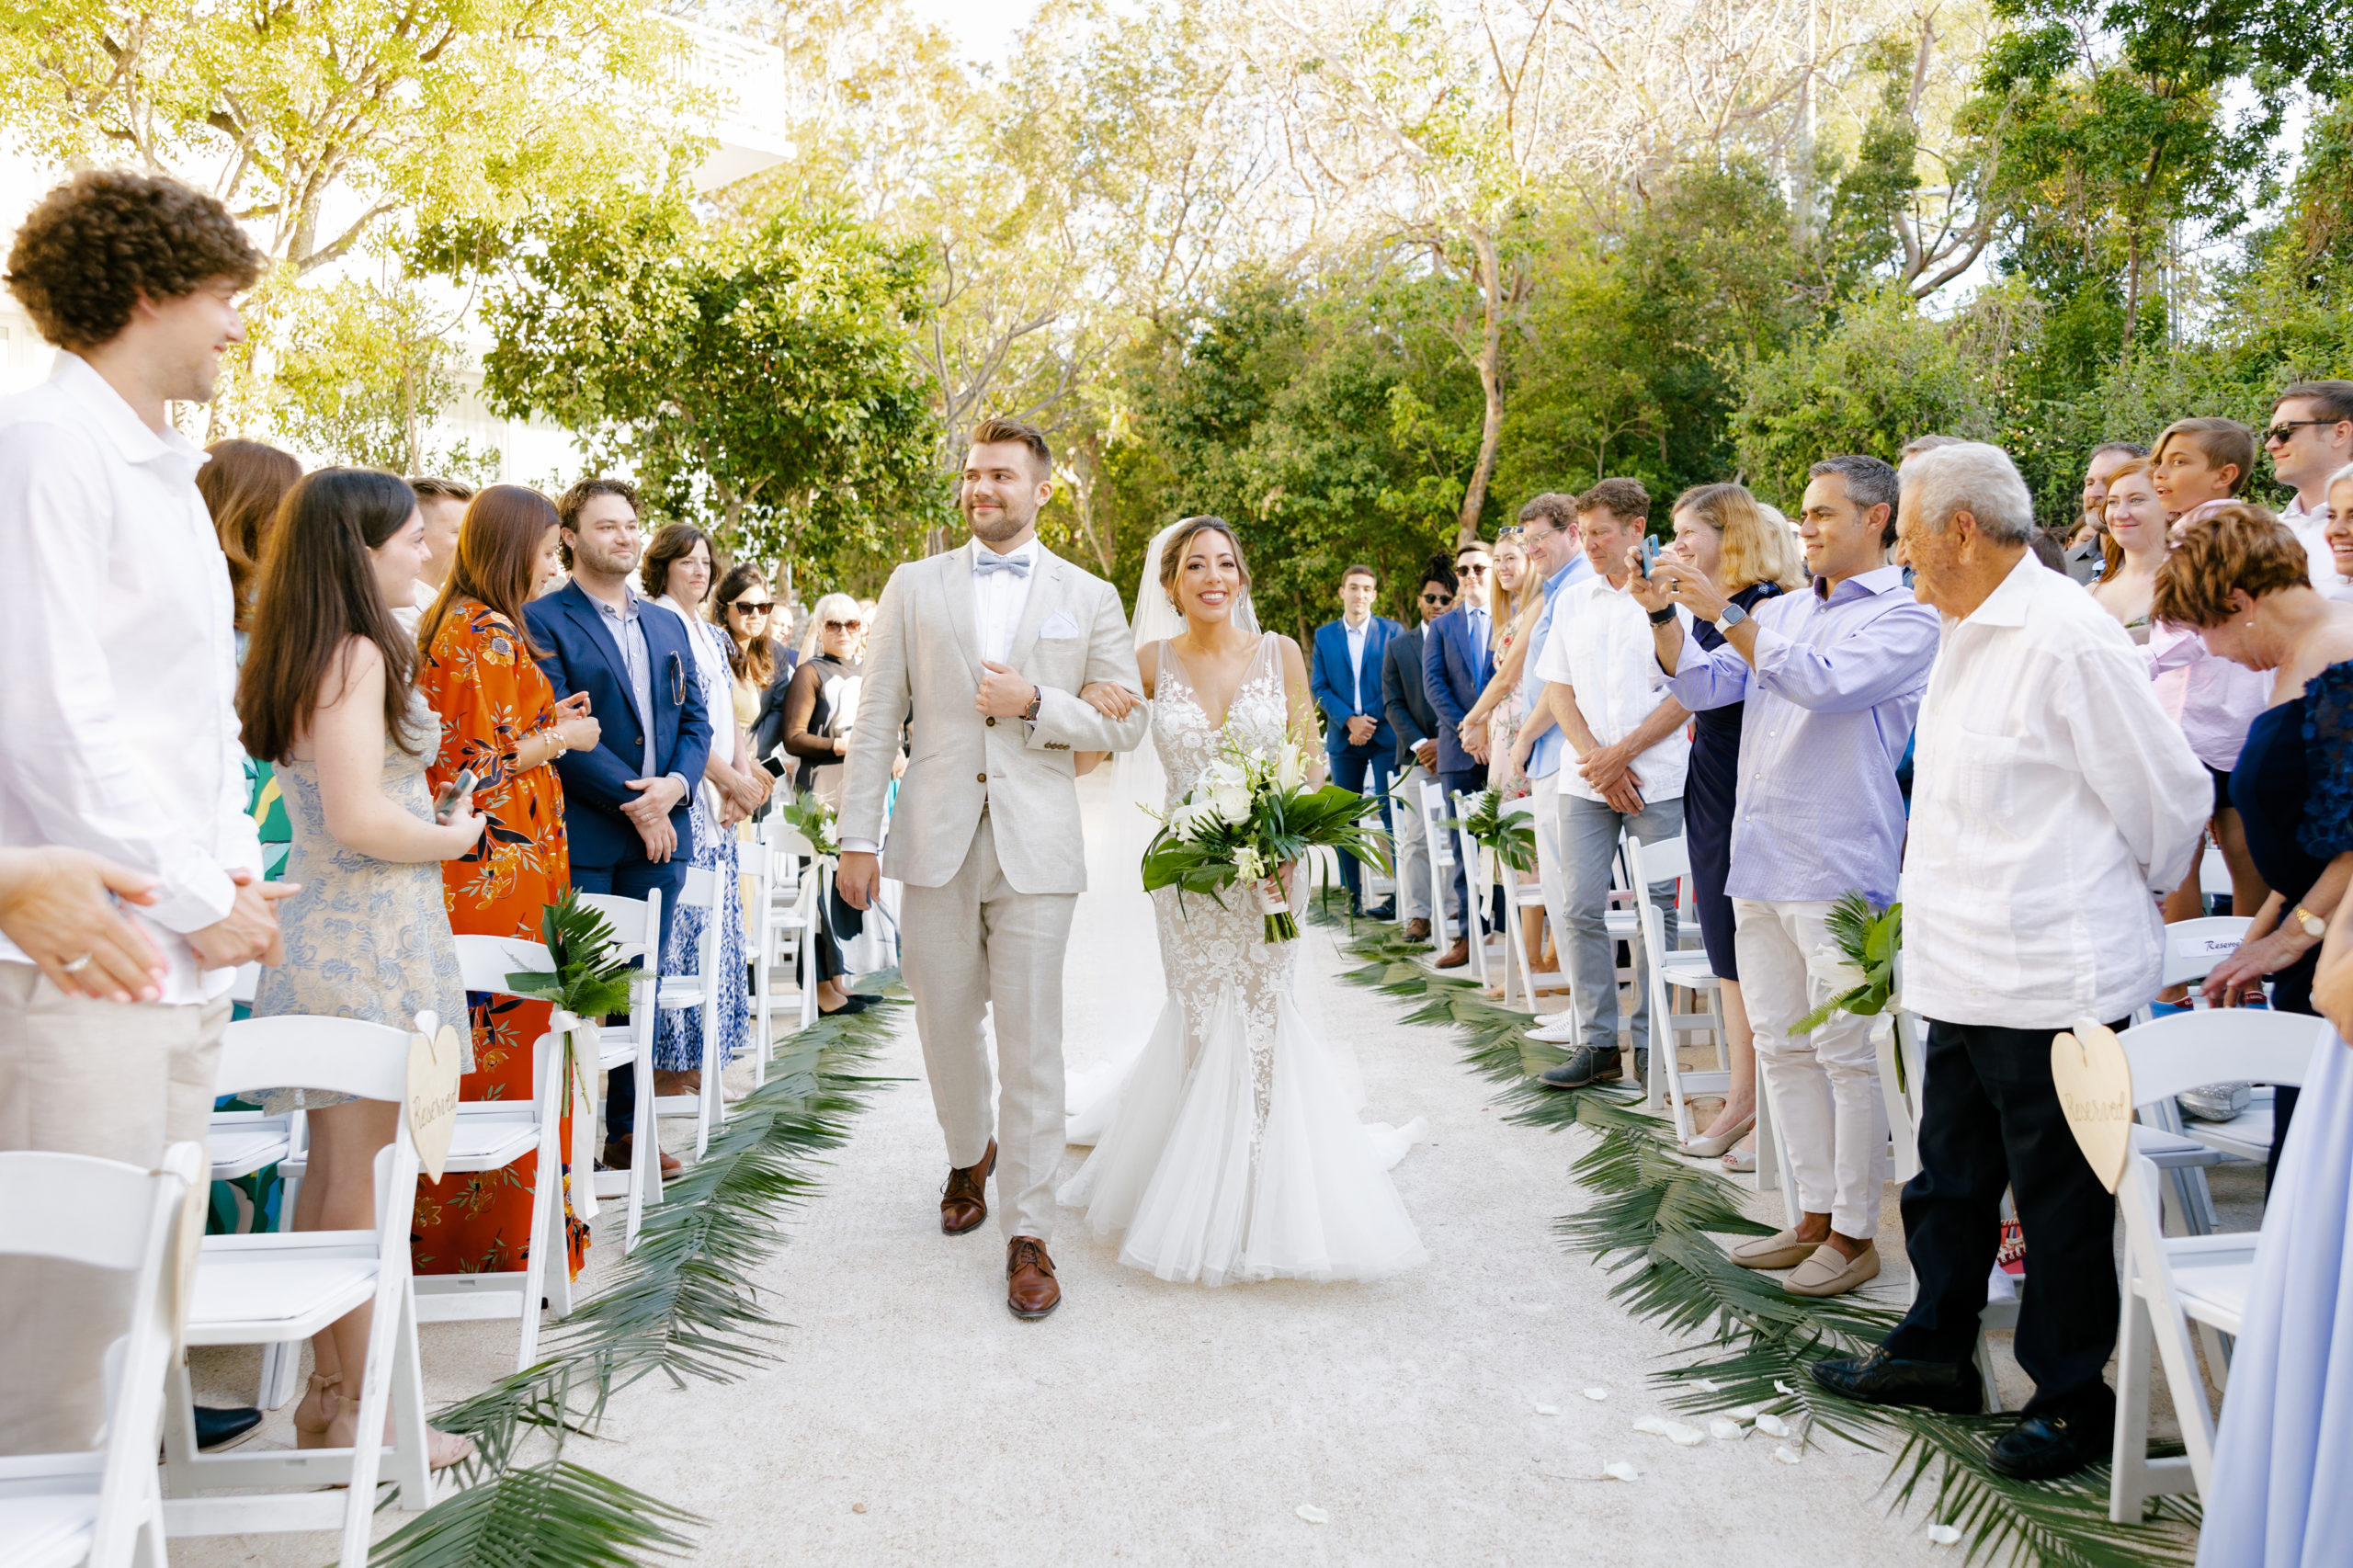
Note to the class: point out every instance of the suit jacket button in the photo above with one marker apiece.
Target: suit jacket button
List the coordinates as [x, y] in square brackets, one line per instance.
[991, 724]
[980, 777]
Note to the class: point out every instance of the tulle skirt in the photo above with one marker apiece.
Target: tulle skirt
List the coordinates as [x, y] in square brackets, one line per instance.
[1174, 1174]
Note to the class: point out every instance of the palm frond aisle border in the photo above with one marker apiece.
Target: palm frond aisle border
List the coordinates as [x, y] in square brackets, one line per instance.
[1655, 1226]
[683, 1304]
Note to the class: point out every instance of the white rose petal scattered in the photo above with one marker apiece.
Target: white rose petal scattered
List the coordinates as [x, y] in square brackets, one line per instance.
[1314, 1515]
[1742, 1412]
[1944, 1535]
[1724, 1431]
[1772, 1425]
[1780, 1387]
[1597, 1394]
[1786, 1454]
[1706, 1385]
[1620, 1471]
[1547, 1410]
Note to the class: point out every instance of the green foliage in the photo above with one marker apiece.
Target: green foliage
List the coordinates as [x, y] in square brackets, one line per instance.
[757, 380]
[588, 980]
[1869, 939]
[812, 819]
[1511, 839]
[550, 1514]
[361, 374]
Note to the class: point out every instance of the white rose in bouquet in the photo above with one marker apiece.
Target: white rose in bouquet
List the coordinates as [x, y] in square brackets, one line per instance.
[1248, 865]
[1291, 768]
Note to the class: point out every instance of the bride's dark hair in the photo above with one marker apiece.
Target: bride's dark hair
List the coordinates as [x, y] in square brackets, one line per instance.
[1172, 554]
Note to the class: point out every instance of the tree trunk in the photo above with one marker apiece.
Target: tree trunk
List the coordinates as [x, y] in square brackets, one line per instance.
[2131, 300]
[1489, 361]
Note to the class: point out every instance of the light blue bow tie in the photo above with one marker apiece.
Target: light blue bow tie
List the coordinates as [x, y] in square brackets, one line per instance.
[987, 561]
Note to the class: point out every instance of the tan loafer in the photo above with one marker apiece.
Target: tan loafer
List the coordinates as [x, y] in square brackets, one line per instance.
[1830, 1272]
[1781, 1250]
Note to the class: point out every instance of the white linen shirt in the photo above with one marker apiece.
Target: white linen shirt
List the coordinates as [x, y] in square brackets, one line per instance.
[118, 643]
[2052, 800]
[1601, 645]
[999, 598]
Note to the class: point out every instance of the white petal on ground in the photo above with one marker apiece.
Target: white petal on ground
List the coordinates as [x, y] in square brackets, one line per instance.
[1314, 1515]
[1786, 1454]
[1620, 1471]
[1706, 1385]
[1944, 1535]
[1597, 1394]
[1724, 1431]
[1772, 1425]
[1780, 1387]
[1547, 1410]
[1654, 1426]
[1742, 1412]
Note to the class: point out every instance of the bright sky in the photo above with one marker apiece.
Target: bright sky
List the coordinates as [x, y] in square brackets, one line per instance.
[983, 27]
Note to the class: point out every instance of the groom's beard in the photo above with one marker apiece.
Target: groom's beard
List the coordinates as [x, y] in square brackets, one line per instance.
[1001, 527]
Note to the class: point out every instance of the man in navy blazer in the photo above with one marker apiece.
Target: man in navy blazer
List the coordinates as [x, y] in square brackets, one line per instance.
[626, 799]
[1458, 660]
[1347, 683]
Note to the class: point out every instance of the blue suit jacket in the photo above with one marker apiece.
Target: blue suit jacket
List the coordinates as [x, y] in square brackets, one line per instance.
[595, 783]
[1455, 670]
[1342, 697]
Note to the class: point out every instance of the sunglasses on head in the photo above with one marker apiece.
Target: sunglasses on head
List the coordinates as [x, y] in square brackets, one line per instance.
[845, 626]
[753, 607]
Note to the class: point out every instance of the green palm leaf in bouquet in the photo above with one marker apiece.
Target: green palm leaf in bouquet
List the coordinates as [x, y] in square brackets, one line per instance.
[1869, 939]
[1249, 816]
[1512, 837]
[588, 980]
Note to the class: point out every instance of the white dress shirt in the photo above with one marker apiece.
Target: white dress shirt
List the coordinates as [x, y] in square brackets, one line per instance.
[1601, 645]
[119, 660]
[999, 598]
[1355, 633]
[2052, 802]
[2310, 529]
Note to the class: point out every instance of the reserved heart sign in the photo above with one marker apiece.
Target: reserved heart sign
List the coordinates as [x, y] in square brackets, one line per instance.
[2094, 1083]
[434, 1068]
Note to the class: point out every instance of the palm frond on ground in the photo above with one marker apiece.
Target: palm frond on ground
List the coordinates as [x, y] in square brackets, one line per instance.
[1653, 1224]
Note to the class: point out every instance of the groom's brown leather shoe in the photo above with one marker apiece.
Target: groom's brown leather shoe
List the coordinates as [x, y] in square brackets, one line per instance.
[964, 1203]
[1029, 1288]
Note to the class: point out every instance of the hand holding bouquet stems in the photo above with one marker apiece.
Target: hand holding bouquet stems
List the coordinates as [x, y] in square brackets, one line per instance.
[1247, 819]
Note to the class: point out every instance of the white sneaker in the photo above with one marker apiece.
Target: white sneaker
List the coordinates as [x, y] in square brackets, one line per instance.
[1546, 1020]
[1562, 1033]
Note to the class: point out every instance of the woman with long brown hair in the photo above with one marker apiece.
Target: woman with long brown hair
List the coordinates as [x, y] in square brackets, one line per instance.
[241, 487]
[500, 720]
[327, 694]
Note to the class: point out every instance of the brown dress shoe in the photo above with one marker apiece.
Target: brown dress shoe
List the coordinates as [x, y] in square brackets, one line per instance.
[1417, 930]
[964, 1201]
[1030, 1288]
[620, 1151]
[667, 1082]
[1457, 955]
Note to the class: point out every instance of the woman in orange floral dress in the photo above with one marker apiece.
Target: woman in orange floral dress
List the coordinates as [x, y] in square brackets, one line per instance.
[500, 718]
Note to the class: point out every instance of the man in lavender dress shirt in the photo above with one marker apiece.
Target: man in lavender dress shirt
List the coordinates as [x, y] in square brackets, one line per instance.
[1832, 680]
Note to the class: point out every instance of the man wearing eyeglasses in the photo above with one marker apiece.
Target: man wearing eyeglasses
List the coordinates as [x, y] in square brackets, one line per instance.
[1405, 698]
[2310, 437]
[1458, 659]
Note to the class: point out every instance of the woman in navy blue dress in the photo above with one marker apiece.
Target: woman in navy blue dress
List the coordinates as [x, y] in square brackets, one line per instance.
[1720, 529]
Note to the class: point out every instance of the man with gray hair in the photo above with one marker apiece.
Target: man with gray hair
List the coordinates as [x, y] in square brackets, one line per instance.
[2054, 802]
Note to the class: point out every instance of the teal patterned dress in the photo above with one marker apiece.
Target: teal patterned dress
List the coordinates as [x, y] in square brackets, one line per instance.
[365, 939]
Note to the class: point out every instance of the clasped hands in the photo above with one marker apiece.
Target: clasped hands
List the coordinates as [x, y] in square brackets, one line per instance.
[54, 904]
[650, 814]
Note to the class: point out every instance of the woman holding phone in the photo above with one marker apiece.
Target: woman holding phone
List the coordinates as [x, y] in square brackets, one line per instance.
[328, 694]
[502, 729]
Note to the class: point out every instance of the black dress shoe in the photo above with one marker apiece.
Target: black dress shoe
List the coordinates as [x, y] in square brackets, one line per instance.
[2054, 1443]
[853, 1006]
[868, 997]
[1587, 1066]
[1378, 912]
[1882, 1378]
[217, 1429]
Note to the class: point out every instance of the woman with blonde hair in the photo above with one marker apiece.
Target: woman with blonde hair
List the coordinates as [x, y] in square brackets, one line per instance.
[1725, 533]
[820, 708]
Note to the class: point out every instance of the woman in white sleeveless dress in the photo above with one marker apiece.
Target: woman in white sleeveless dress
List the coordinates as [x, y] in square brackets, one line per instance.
[1230, 1150]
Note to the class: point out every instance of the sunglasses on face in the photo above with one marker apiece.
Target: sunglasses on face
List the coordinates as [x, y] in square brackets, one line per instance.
[845, 626]
[1474, 571]
[2279, 435]
[1437, 598]
[752, 607]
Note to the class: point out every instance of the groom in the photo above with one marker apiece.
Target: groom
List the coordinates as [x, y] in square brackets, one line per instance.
[989, 647]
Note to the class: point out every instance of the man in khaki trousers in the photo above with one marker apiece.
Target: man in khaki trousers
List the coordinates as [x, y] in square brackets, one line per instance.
[117, 675]
[989, 648]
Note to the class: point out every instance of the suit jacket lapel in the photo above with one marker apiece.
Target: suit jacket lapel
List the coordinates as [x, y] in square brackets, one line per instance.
[954, 576]
[584, 611]
[1045, 583]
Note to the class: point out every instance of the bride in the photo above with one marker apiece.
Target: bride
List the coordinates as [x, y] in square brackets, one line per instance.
[1230, 1150]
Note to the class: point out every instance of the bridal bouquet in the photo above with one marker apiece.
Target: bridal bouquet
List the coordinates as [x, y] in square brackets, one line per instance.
[812, 819]
[1248, 815]
[1862, 965]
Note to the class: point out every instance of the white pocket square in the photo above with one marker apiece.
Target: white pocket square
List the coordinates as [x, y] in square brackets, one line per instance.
[1057, 627]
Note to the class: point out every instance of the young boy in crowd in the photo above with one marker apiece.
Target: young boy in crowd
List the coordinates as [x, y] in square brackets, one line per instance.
[2199, 462]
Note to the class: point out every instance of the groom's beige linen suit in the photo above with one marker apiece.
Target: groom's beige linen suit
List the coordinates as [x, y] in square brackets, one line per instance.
[985, 836]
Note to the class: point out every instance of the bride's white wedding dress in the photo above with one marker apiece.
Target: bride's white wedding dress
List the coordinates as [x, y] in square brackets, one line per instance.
[1230, 1148]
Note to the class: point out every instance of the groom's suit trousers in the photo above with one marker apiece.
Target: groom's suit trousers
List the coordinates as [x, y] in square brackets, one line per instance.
[974, 947]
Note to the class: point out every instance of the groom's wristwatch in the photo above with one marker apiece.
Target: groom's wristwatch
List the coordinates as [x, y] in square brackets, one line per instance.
[1037, 700]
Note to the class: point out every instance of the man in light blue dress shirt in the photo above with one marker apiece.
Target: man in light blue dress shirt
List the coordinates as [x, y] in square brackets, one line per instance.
[1548, 527]
[1346, 682]
[1832, 680]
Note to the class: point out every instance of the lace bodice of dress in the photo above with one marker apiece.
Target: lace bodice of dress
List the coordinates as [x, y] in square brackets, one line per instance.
[1211, 952]
[1259, 716]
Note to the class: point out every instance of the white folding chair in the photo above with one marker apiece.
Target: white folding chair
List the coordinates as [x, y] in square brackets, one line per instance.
[697, 993]
[2214, 876]
[1667, 968]
[2171, 1282]
[2192, 949]
[785, 946]
[1441, 848]
[286, 1287]
[241, 1143]
[100, 1506]
[492, 1135]
[1525, 893]
[637, 934]
[1475, 883]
